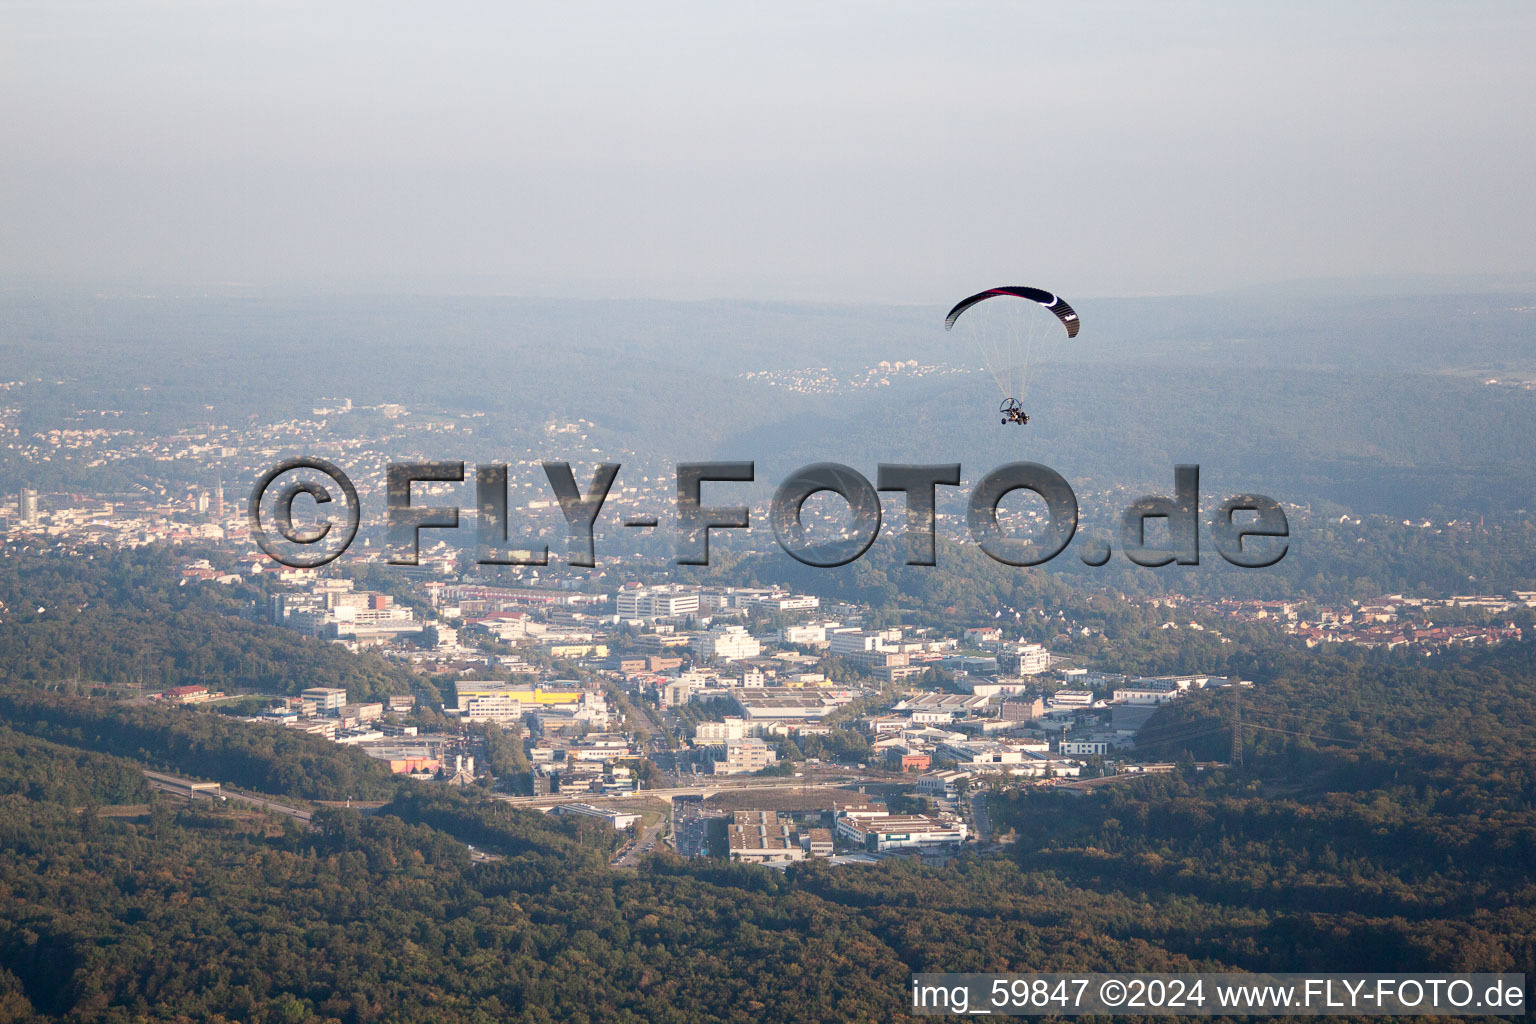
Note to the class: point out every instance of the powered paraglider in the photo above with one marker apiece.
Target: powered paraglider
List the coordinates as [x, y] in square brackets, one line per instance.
[1010, 334]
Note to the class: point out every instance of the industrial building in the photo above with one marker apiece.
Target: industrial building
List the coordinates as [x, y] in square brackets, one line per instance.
[763, 837]
[900, 831]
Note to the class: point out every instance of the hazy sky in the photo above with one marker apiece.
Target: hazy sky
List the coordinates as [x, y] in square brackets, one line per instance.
[878, 150]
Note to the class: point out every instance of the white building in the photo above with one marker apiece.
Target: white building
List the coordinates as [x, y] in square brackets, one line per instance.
[808, 634]
[491, 707]
[855, 641]
[679, 691]
[900, 831]
[1084, 748]
[744, 756]
[1149, 691]
[367, 712]
[598, 749]
[981, 686]
[327, 699]
[1024, 659]
[1040, 767]
[984, 752]
[787, 602]
[662, 602]
[727, 643]
[719, 732]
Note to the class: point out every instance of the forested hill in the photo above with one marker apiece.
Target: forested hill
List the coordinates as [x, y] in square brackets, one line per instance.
[125, 618]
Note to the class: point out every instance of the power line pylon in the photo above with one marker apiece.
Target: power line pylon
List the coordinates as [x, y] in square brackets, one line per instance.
[1235, 758]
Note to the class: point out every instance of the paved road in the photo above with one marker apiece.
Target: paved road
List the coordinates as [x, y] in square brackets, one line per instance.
[194, 789]
[645, 715]
[979, 819]
[183, 787]
[698, 789]
[642, 846]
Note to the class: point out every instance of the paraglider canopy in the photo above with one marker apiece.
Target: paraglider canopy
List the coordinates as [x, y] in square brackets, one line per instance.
[1055, 303]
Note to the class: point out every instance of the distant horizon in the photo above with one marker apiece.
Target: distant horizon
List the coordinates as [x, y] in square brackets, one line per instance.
[1364, 285]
